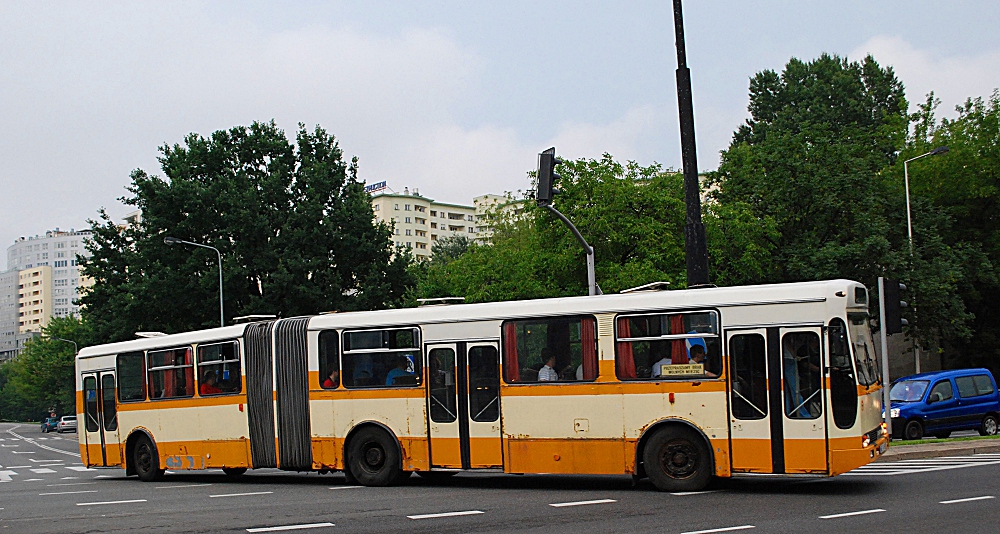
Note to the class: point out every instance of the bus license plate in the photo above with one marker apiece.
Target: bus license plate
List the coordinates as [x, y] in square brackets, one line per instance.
[882, 447]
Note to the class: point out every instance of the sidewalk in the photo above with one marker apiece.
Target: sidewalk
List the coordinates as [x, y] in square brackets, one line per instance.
[900, 451]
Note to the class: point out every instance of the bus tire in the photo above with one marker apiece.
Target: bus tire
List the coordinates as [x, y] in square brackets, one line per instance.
[676, 459]
[374, 458]
[234, 471]
[913, 430]
[146, 461]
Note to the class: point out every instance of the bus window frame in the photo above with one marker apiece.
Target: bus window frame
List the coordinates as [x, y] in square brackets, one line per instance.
[197, 365]
[418, 351]
[503, 353]
[720, 336]
[145, 377]
[149, 369]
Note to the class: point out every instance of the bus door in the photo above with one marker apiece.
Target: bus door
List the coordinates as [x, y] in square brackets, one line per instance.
[100, 420]
[749, 405]
[803, 400]
[463, 396]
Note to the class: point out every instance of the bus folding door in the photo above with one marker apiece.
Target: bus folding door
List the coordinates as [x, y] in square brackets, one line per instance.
[100, 420]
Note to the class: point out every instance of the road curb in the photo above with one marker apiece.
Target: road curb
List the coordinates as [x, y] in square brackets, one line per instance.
[934, 450]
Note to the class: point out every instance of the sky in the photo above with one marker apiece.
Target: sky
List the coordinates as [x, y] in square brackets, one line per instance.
[452, 98]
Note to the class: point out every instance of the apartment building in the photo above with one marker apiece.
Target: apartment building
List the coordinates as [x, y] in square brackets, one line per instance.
[420, 221]
[42, 281]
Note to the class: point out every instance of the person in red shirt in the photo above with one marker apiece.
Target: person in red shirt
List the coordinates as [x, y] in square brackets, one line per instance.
[208, 386]
[331, 381]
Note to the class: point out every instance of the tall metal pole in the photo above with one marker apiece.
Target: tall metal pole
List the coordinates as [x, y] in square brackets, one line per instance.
[886, 403]
[174, 240]
[695, 246]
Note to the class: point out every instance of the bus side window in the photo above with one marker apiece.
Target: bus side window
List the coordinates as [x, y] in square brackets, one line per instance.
[748, 364]
[171, 373]
[219, 369]
[529, 344]
[665, 346]
[381, 358]
[329, 360]
[131, 376]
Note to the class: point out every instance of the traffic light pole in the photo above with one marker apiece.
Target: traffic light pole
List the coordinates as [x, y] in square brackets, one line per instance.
[883, 327]
[591, 278]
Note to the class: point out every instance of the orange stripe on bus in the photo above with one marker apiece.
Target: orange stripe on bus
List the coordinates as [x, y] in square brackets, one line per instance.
[187, 402]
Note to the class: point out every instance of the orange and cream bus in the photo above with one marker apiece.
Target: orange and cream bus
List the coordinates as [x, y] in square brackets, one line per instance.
[677, 386]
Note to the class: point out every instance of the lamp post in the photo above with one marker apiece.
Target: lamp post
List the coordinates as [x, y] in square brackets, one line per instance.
[175, 241]
[909, 235]
[76, 348]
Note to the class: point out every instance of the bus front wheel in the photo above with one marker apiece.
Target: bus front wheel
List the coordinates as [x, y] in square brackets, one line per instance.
[374, 459]
[146, 461]
[676, 459]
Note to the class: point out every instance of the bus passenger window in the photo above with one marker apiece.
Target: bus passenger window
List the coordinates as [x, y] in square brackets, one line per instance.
[171, 373]
[442, 379]
[748, 364]
[329, 360]
[801, 373]
[530, 345]
[666, 346]
[131, 376]
[219, 369]
[381, 358]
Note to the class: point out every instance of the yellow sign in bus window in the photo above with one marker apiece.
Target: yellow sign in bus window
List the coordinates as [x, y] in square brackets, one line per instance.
[682, 369]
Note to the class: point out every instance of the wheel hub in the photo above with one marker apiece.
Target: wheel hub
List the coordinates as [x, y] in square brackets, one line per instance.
[679, 460]
[374, 457]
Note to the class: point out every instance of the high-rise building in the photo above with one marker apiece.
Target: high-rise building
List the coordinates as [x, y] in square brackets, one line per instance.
[42, 281]
[420, 221]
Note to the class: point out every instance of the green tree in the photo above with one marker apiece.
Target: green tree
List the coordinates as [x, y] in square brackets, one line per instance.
[42, 376]
[632, 215]
[295, 228]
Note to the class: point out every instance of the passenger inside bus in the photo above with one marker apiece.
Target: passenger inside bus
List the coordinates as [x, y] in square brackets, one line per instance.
[400, 375]
[548, 373]
[208, 386]
[698, 356]
[332, 380]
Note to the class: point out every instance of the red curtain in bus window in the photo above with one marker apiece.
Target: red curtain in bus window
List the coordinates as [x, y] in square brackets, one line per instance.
[678, 352]
[588, 335]
[511, 367]
[625, 362]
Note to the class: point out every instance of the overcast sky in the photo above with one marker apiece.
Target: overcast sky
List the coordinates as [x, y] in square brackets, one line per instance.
[453, 98]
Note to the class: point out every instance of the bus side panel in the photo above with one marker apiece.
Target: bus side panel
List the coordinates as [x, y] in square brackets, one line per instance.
[402, 411]
[846, 452]
[563, 428]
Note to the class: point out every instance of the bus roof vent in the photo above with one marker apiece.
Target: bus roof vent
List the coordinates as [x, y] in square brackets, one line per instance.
[252, 318]
[441, 301]
[652, 286]
[143, 335]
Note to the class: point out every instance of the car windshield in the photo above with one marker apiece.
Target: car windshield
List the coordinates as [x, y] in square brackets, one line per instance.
[908, 390]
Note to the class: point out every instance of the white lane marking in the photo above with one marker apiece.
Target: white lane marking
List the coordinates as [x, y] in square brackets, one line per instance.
[98, 476]
[181, 486]
[686, 493]
[723, 529]
[581, 503]
[78, 468]
[5, 445]
[446, 514]
[22, 452]
[970, 499]
[71, 478]
[290, 527]
[109, 502]
[73, 484]
[19, 467]
[346, 487]
[46, 447]
[33, 480]
[42, 471]
[52, 465]
[243, 494]
[5, 475]
[849, 514]
[67, 492]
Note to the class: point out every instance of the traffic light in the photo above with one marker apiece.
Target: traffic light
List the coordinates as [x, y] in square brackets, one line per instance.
[894, 321]
[547, 177]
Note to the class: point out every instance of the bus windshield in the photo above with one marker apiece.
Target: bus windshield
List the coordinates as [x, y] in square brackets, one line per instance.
[864, 351]
[908, 390]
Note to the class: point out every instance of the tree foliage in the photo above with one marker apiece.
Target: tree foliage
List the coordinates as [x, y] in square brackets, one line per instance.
[42, 376]
[294, 225]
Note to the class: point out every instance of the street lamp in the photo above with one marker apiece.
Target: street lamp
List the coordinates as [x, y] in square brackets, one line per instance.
[909, 235]
[76, 348]
[175, 241]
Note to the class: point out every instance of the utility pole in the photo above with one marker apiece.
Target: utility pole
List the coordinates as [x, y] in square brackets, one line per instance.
[695, 246]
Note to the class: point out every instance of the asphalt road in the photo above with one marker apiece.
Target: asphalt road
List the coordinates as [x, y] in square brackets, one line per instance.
[43, 488]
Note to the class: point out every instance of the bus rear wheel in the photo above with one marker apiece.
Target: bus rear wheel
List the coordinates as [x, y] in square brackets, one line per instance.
[676, 459]
[374, 459]
[146, 461]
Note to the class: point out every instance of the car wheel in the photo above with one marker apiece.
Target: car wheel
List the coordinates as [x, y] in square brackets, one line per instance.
[146, 461]
[374, 459]
[676, 459]
[989, 426]
[914, 430]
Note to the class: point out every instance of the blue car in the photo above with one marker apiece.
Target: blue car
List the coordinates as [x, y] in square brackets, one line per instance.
[49, 424]
[941, 402]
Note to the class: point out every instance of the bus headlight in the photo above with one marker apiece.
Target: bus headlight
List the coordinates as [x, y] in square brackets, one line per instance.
[894, 413]
[865, 441]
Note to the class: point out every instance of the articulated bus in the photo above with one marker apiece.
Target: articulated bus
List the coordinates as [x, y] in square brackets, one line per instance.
[677, 386]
